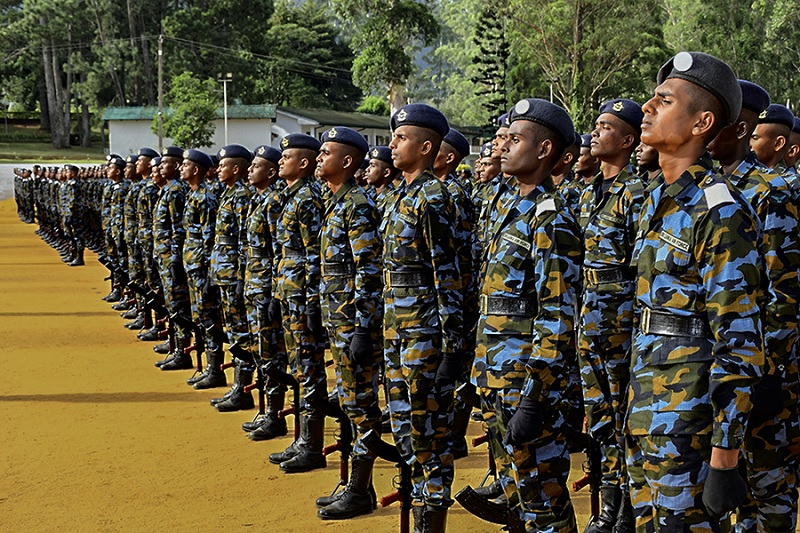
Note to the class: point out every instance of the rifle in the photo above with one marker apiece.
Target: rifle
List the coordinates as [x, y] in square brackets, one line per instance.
[496, 513]
[593, 473]
[116, 274]
[388, 452]
[272, 370]
[329, 406]
[469, 394]
[152, 302]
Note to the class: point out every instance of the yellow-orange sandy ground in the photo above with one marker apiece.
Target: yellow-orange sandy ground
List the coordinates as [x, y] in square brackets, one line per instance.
[93, 437]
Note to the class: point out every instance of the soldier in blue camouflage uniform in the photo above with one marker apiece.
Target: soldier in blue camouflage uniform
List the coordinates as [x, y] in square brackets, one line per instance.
[564, 178]
[129, 216]
[609, 218]
[352, 307]
[697, 347]
[112, 195]
[73, 212]
[381, 176]
[199, 221]
[169, 235]
[773, 422]
[296, 284]
[770, 143]
[422, 320]
[116, 225]
[228, 260]
[148, 164]
[455, 147]
[266, 331]
[647, 163]
[526, 343]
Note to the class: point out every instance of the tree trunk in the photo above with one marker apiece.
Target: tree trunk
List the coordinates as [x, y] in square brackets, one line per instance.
[44, 109]
[397, 96]
[53, 88]
[147, 66]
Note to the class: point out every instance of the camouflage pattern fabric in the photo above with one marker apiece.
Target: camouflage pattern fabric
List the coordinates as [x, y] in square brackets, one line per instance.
[148, 196]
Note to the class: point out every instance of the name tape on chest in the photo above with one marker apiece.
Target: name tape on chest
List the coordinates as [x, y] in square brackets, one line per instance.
[674, 241]
[519, 242]
[617, 221]
[408, 219]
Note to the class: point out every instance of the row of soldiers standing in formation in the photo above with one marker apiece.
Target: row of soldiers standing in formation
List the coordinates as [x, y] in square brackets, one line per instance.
[661, 305]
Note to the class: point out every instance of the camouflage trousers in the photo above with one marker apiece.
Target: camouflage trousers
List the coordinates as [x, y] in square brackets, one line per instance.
[234, 315]
[306, 353]
[176, 292]
[421, 416]
[666, 476]
[537, 484]
[205, 299]
[357, 385]
[266, 336]
[770, 456]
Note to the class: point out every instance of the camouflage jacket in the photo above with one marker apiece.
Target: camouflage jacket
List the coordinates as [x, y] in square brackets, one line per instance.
[417, 228]
[384, 197]
[146, 203]
[533, 263]
[168, 230]
[70, 200]
[105, 210]
[501, 190]
[463, 236]
[117, 213]
[297, 242]
[351, 290]
[130, 216]
[572, 189]
[697, 256]
[199, 220]
[260, 250]
[230, 236]
[773, 202]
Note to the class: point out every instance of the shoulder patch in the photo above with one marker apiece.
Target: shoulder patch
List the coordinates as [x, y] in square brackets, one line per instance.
[545, 206]
[717, 194]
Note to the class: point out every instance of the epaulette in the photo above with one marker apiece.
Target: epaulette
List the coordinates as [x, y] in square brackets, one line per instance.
[359, 198]
[434, 189]
[545, 203]
[716, 193]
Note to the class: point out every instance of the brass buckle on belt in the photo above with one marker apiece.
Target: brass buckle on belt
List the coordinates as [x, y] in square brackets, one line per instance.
[644, 321]
[591, 276]
[484, 304]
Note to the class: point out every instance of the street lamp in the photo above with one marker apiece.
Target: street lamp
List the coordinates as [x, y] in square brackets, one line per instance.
[228, 77]
[551, 81]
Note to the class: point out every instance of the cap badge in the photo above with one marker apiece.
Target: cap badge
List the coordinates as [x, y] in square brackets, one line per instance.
[683, 61]
[763, 114]
[522, 107]
[375, 152]
[618, 106]
[284, 142]
[332, 133]
[261, 151]
[222, 153]
[402, 115]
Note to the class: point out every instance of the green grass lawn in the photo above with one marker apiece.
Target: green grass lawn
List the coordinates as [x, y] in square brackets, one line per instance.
[32, 152]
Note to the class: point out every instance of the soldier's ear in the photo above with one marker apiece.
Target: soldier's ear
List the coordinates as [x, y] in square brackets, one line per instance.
[780, 142]
[304, 162]
[704, 123]
[545, 149]
[347, 161]
[426, 147]
[742, 130]
[628, 141]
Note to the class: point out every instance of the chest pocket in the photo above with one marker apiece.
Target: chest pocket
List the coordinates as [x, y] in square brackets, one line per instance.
[406, 228]
[673, 256]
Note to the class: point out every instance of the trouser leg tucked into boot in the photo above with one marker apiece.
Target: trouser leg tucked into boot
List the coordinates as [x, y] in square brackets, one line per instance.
[310, 451]
[625, 520]
[356, 498]
[212, 376]
[239, 400]
[179, 360]
[610, 497]
[271, 425]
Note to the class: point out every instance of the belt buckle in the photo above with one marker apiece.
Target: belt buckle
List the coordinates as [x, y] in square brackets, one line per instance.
[484, 305]
[644, 321]
[591, 276]
[387, 278]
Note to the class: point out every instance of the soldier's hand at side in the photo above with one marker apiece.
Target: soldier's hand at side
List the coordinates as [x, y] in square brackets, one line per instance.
[724, 491]
[314, 321]
[767, 400]
[450, 369]
[525, 425]
[239, 290]
[274, 311]
[362, 349]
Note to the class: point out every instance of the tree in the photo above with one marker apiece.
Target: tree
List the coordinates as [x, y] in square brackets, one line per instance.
[190, 120]
[387, 35]
[374, 105]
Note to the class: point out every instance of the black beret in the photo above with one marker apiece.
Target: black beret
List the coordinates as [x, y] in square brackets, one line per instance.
[72, 168]
[155, 161]
[503, 120]
[108, 158]
[269, 153]
[754, 96]
[131, 160]
[381, 153]
[116, 160]
[547, 114]
[364, 164]
[421, 115]
[235, 150]
[172, 151]
[214, 160]
[198, 157]
[486, 150]
[710, 73]
[777, 114]
[625, 109]
[796, 127]
[300, 140]
[586, 140]
[578, 140]
[347, 136]
[457, 140]
[147, 152]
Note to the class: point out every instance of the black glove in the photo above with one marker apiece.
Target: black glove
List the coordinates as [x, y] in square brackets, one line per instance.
[450, 369]
[238, 290]
[362, 349]
[314, 321]
[525, 425]
[274, 311]
[767, 400]
[724, 491]
[208, 289]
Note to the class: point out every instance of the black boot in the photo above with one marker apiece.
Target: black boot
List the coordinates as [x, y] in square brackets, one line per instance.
[180, 360]
[310, 456]
[131, 313]
[356, 498]
[459, 431]
[78, 261]
[418, 512]
[149, 335]
[610, 497]
[124, 304]
[238, 400]
[290, 451]
[112, 296]
[137, 323]
[625, 521]
[213, 376]
[434, 519]
[270, 425]
[162, 347]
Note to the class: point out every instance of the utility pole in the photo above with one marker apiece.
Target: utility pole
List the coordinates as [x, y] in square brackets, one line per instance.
[228, 77]
[161, 91]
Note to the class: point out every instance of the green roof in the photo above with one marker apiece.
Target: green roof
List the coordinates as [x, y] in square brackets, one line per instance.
[340, 118]
[148, 113]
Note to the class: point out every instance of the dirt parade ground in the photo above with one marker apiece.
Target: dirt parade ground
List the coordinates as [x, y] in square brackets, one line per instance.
[95, 438]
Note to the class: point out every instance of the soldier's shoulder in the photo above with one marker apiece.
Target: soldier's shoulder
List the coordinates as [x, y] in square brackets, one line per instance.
[716, 191]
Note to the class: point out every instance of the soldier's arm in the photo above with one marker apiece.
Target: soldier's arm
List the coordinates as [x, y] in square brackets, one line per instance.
[240, 209]
[727, 252]
[208, 216]
[438, 223]
[367, 249]
[177, 203]
[309, 215]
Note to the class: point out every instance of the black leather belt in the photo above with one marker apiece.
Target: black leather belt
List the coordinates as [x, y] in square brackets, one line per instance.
[293, 252]
[161, 227]
[224, 240]
[338, 269]
[665, 323]
[507, 306]
[259, 252]
[407, 278]
[596, 276]
[196, 234]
